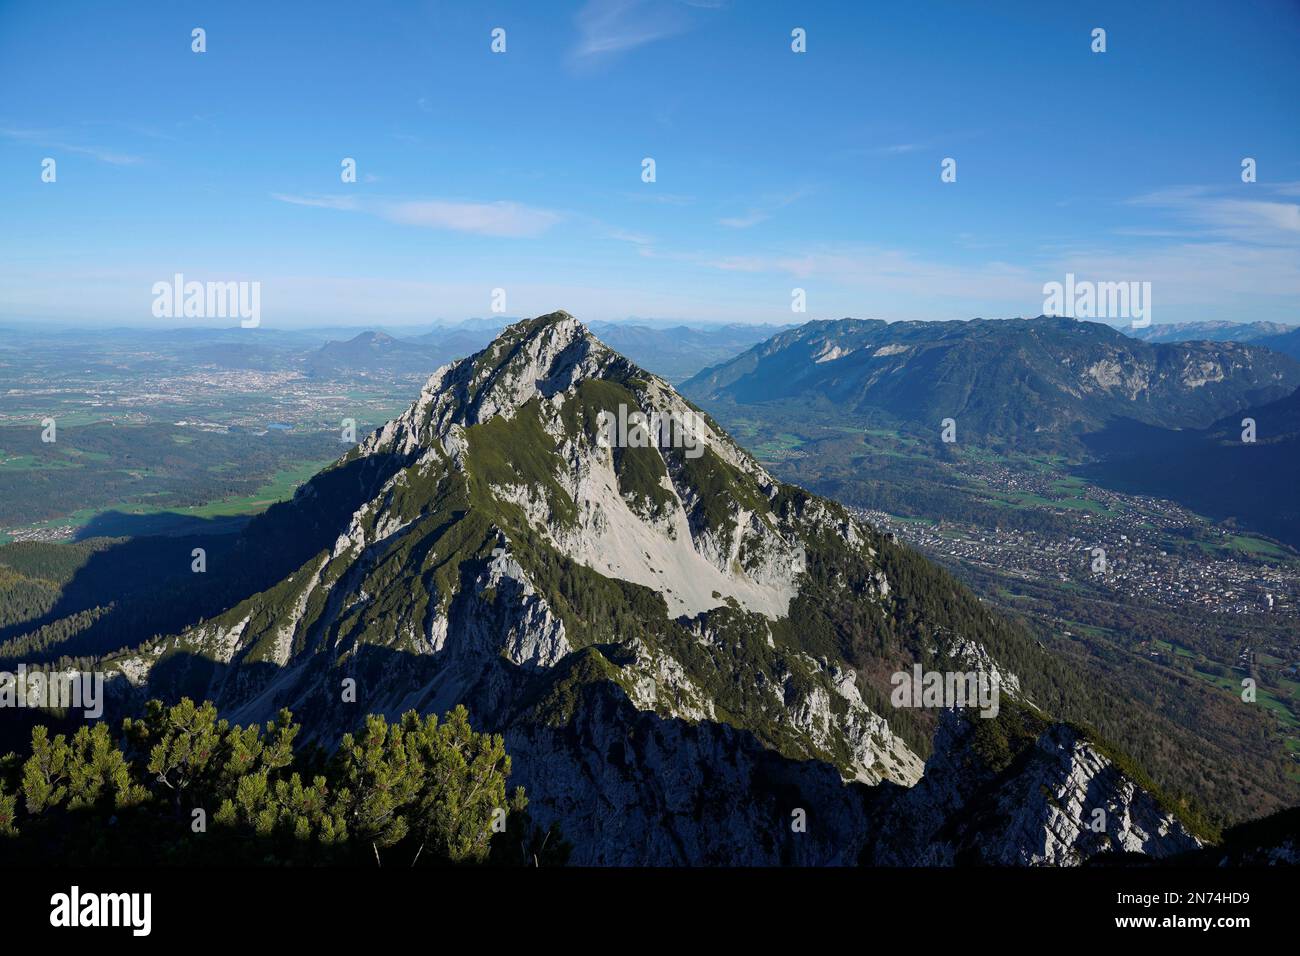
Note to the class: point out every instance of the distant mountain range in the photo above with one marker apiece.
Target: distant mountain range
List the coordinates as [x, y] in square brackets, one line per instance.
[1272, 335]
[1221, 331]
[381, 353]
[674, 350]
[1288, 343]
[1156, 418]
[690, 661]
[1027, 383]
[678, 352]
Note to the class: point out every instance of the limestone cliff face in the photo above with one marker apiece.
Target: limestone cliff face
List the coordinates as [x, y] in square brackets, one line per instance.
[629, 787]
[682, 653]
[1056, 800]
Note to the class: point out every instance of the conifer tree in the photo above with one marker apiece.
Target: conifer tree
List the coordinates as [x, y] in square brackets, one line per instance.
[415, 792]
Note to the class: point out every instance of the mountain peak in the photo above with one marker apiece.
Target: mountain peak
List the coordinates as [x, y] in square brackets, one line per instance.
[542, 358]
[558, 321]
[545, 418]
[373, 337]
[559, 315]
[545, 347]
[557, 540]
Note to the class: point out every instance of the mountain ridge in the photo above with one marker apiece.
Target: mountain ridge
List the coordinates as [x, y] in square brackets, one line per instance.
[1035, 382]
[480, 556]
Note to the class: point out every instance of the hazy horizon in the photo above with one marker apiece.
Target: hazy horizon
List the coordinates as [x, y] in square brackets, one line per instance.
[417, 326]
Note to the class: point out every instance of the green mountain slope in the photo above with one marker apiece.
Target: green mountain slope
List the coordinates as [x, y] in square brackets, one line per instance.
[680, 650]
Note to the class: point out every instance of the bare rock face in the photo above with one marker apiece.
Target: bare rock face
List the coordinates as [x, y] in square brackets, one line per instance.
[673, 645]
[631, 788]
[1054, 799]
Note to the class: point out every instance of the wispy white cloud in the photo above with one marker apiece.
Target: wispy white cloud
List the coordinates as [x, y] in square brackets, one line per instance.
[609, 27]
[1257, 216]
[624, 235]
[1220, 274]
[892, 149]
[109, 156]
[894, 270]
[1252, 215]
[659, 198]
[947, 142]
[762, 211]
[319, 202]
[751, 218]
[505, 219]
[1191, 277]
[501, 219]
[47, 139]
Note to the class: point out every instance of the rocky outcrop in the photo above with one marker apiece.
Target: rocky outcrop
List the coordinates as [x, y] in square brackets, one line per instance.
[632, 788]
[1057, 800]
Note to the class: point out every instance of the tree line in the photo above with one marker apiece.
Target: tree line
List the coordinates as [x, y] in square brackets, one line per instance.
[180, 786]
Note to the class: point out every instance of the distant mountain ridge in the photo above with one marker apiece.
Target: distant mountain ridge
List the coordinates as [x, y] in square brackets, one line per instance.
[1288, 343]
[678, 352]
[378, 352]
[675, 352]
[1210, 331]
[1033, 382]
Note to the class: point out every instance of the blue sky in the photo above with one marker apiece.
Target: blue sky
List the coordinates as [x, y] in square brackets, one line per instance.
[774, 170]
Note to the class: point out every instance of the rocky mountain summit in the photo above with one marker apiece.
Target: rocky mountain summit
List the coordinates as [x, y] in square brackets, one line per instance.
[689, 660]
